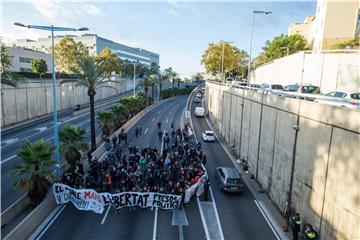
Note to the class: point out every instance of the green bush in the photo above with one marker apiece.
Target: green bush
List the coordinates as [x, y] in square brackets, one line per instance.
[167, 93]
[46, 75]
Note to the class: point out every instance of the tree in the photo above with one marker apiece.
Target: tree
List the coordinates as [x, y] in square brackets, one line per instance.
[105, 117]
[235, 60]
[6, 60]
[197, 77]
[283, 45]
[92, 77]
[35, 169]
[171, 75]
[259, 60]
[72, 138]
[352, 44]
[39, 66]
[111, 61]
[162, 78]
[120, 113]
[67, 53]
[154, 68]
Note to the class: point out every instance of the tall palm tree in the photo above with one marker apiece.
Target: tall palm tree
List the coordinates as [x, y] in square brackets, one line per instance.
[153, 80]
[105, 117]
[72, 138]
[92, 77]
[120, 113]
[145, 83]
[35, 169]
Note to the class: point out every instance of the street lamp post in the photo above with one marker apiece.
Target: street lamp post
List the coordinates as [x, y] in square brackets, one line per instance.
[251, 36]
[134, 80]
[56, 131]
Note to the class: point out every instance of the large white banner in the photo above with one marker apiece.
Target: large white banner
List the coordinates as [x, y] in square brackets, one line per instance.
[88, 199]
[194, 189]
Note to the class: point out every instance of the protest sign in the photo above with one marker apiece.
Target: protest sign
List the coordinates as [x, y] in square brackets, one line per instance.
[88, 199]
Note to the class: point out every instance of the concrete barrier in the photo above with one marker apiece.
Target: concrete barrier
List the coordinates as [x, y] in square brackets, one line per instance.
[299, 150]
[14, 209]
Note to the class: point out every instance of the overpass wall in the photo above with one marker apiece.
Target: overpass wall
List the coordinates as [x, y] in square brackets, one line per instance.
[325, 152]
[35, 99]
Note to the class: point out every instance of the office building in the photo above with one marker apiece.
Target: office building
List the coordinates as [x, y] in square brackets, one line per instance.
[21, 59]
[95, 45]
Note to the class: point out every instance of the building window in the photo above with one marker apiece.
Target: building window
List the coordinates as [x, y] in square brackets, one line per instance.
[25, 60]
[25, 70]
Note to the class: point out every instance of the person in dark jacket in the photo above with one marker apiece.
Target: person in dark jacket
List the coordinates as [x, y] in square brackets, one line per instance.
[295, 226]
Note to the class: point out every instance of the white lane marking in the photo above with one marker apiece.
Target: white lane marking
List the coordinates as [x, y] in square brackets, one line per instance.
[48, 223]
[106, 213]
[216, 214]
[167, 120]
[9, 158]
[146, 130]
[155, 224]
[267, 220]
[159, 111]
[84, 122]
[203, 219]
[153, 119]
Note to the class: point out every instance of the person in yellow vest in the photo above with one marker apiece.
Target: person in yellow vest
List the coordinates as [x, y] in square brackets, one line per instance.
[310, 233]
[295, 226]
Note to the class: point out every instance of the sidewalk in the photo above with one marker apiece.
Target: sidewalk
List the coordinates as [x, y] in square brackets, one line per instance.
[264, 203]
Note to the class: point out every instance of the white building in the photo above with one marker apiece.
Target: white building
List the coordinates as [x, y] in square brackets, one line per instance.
[21, 59]
[95, 45]
[334, 22]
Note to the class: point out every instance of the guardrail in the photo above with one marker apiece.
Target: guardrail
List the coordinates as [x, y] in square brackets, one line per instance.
[342, 102]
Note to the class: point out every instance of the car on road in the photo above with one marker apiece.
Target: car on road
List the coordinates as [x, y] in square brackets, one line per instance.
[238, 84]
[198, 95]
[229, 179]
[199, 112]
[349, 99]
[299, 89]
[208, 136]
[196, 100]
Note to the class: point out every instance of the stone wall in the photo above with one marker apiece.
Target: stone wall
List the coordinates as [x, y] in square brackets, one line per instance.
[35, 99]
[324, 153]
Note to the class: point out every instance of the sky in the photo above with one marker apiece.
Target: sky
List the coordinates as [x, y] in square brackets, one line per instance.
[178, 31]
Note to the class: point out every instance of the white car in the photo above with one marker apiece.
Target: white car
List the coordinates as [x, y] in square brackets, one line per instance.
[198, 95]
[341, 99]
[208, 136]
[199, 112]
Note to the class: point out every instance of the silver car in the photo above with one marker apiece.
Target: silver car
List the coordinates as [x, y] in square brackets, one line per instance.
[229, 179]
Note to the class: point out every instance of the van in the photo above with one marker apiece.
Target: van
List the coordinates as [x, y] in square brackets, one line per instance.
[199, 112]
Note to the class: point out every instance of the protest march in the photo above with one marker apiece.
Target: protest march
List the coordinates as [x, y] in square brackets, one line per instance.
[130, 176]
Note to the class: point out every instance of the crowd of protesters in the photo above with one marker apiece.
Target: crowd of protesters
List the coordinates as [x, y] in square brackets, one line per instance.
[128, 168]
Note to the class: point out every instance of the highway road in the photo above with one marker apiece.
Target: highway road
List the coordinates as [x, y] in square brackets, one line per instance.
[226, 216]
[13, 138]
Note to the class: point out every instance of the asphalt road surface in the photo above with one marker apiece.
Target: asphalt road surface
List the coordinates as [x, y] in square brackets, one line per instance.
[238, 215]
[38, 129]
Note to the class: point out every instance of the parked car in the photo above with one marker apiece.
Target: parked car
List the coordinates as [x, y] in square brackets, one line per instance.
[271, 89]
[341, 99]
[208, 136]
[198, 95]
[301, 89]
[239, 84]
[196, 100]
[199, 112]
[229, 179]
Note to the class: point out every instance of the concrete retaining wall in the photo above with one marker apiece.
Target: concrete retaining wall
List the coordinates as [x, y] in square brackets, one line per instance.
[325, 189]
[31, 100]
